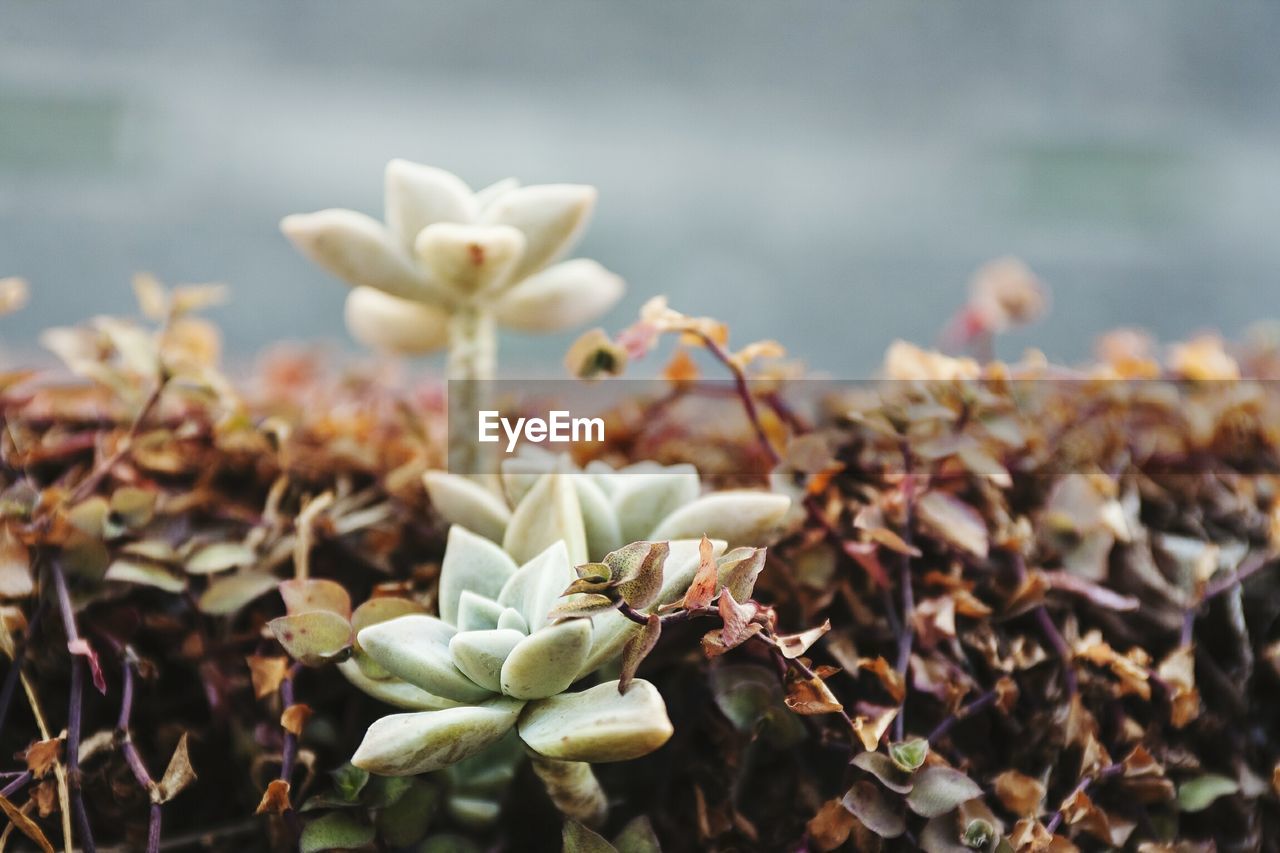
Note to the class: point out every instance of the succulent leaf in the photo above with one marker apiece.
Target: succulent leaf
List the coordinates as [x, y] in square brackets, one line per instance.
[471, 563]
[416, 649]
[460, 500]
[642, 500]
[549, 513]
[477, 613]
[313, 638]
[535, 587]
[560, 297]
[481, 654]
[599, 724]
[408, 744]
[547, 661]
[551, 217]
[392, 690]
[738, 517]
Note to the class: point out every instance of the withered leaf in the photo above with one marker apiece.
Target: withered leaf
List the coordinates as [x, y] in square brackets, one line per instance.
[637, 648]
[830, 827]
[637, 571]
[794, 645]
[275, 800]
[177, 776]
[703, 588]
[266, 672]
[888, 677]
[25, 825]
[738, 627]
[42, 756]
[1021, 794]
[294, 718]
[870, 728]
[811, 696]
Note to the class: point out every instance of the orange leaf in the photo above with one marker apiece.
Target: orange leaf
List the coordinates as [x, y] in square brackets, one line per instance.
[267, 672]
[275, 800]
[295, 717]
[42, 756]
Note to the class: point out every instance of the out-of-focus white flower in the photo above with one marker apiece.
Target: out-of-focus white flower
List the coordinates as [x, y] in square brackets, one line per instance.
[445, 251]
[13, 295]
[1005, 293]
[906, 361]
[1204, 359]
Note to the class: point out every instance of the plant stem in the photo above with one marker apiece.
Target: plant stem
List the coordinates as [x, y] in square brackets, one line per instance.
[906, 633]
[11, 678]
[573, 788]
[744, 392]
[131, 755]
[472, 354]
[74, 712]
[977, 705]
[289, 751]
[16, 785]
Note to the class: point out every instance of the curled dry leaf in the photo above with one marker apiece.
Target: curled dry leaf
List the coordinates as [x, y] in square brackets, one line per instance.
[294, 718]
[870, 728]
[177, 776]
[794, 645]
[275, 800]
[266, 673]
[1021, 794]
[637, 649]
[25, 825]
[42, 756]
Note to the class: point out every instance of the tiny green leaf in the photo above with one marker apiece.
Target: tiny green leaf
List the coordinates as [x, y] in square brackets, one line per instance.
[909, 755]
[335, 831]
[313, 638]
[1198, 794]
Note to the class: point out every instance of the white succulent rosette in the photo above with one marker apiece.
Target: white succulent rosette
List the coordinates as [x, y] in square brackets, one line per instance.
[598, 509]
[447, 256]
[496, 659]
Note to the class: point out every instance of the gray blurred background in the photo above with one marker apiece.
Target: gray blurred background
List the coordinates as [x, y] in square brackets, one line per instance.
[825, 173]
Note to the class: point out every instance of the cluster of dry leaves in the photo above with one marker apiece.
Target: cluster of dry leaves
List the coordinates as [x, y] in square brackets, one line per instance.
[1047, 608]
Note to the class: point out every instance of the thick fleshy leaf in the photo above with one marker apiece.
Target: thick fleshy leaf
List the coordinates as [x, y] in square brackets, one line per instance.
[372, 612]
[313, 638]
[302, 596]
[642, 500]
[393, 691]
[870, 806]
[471, 563]
[937, 790]
[536, 587]
[357, 249]
[560, 297]
[389, 324]
[909, 755]
[408, 744]
[477, 613]
[551, 217]
[481, 654]
[599, 724]
[469, 259]
[418, 196]
[738, 517]
[416, 649]
[600, 523]
[612, 630]
[549, 513]
[512, 619]
[547, 661]
[463, 501]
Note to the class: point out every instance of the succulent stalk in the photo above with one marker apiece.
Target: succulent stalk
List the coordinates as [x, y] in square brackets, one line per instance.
[473, 344]
[573, 788]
